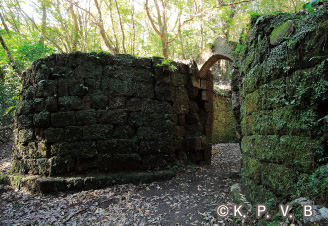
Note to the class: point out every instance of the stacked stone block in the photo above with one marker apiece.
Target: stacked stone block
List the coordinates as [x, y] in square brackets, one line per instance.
[85, 113]
[224, 123]
[282, 86]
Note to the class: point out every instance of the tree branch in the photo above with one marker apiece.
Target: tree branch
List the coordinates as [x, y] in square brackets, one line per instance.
[5, 128]
[4, 24]
[153, 25]
[102, 30]
[203, 12]
[37, 28]
[10, 57]
[119, 16]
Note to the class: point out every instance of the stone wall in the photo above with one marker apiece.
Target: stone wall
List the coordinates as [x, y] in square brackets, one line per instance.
[98, 113]
[224, 121]
[282, 86]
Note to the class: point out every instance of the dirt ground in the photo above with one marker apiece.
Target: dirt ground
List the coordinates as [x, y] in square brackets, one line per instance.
[188, 199]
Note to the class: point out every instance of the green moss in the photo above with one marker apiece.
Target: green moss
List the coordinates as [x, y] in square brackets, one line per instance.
[280, 179]
[252, 102]
[318, 184]
[224, 122]
[4, 179]
[280, 33]
[258, 193]
[262, 122]
[254, 168]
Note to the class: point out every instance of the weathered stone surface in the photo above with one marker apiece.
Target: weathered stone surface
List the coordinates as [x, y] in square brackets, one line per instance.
[61, 165]
[99, 101]
[87, 117]
[62, 119]
[69, 103]
[276, 85]
[54, 134]
[118, 146]
[99, 113]
[224, 122]
[46, 88]
[73, 133]
[165, 93]
[114, 117]
[51, 104]
[25, 107]
[97, 132]
[120, 102]
[141, 119]
[124, 132]
[25, 135]
[162, 146]
[88, 70]
[42, 119]
[281, 32]
[76, 87]
[79, 150]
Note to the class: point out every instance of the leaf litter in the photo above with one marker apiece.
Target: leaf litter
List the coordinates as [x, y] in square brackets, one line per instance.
[188, 199]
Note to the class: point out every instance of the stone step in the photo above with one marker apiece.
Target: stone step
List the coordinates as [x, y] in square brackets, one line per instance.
[46, 185]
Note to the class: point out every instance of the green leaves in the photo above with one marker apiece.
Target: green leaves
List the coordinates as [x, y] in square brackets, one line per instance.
[309, 6]
[167, 62]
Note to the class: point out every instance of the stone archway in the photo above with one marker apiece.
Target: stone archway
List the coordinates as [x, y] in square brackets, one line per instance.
[221, 49]
[208, 63]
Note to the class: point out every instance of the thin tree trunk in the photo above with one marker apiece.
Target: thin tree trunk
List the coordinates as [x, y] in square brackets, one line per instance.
[75, 27]
[202, 35]
[44, 21]
[2, 79]
[5, 128]
[162, 28]
[133, 36]
[4, 24]
[162, 32]
[102, 30]
[11, 59]
[35, 26]
[14, 24]
[117, 43]
[294, 5]
[121, 24]
[181, 42]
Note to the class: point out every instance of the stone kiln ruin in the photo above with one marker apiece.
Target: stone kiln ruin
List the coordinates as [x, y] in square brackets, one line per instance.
[92, 120]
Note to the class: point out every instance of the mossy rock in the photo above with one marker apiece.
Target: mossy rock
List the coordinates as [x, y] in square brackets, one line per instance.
[280, 33]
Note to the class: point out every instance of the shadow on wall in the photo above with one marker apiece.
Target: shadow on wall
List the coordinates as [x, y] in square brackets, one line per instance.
[224, 122]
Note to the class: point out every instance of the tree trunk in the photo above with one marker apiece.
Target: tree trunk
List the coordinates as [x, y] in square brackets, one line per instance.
[181, 43]
[202, 36]
[162, 27]
[4, 24]
[122, 27]
[103, 32]
[76, 28]
[117, 43]
[11, 59]
[44, 21]
[133, 36]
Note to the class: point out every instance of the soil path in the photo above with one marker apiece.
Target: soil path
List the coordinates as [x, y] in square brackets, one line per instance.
[188, 199]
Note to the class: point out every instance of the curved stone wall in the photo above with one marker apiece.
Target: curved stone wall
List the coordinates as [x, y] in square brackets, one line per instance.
[97, 113]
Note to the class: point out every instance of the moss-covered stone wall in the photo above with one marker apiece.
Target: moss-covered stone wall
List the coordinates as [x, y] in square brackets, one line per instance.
[224, 121]
[282, 83]
[98, 113]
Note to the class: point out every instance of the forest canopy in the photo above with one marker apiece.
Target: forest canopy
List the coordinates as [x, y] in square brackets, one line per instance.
[177, 29]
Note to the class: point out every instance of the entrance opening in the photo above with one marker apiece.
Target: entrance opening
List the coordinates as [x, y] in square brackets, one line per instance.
[225, 144]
